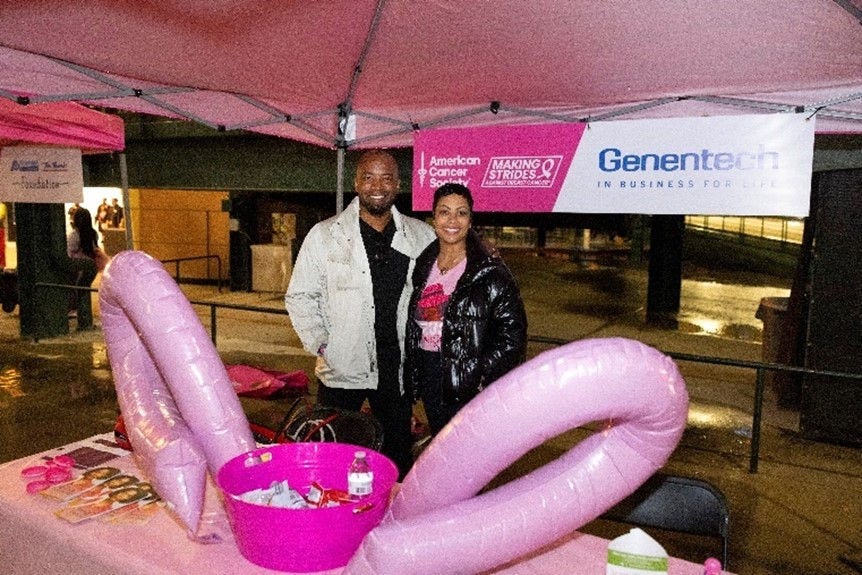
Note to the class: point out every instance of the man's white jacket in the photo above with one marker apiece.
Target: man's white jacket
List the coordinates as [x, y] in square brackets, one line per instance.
[330, 298]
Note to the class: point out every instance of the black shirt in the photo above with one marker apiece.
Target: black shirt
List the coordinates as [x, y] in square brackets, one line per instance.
[388, 276]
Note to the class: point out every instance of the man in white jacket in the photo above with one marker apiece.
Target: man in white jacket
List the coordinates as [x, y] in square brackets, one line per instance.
[347, 301]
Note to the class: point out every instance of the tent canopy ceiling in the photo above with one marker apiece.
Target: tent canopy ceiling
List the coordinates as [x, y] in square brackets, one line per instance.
[289, 68]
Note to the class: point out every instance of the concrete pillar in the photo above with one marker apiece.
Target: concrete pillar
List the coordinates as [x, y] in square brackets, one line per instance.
[665, 267]
[42, 259]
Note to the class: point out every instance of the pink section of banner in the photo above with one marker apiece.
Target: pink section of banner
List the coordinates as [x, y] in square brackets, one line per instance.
[507, 168]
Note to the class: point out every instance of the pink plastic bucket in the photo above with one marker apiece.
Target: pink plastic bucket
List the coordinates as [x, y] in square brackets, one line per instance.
[302, 540]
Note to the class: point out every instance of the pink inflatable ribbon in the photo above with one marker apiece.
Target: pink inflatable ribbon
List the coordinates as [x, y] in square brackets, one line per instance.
[437, 523]
[180, 409]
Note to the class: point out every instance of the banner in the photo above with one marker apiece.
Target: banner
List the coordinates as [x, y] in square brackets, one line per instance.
[725, 165]
[41, 175]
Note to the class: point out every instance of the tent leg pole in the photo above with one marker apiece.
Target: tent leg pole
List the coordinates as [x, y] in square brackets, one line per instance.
[339, 192]
[124, 182]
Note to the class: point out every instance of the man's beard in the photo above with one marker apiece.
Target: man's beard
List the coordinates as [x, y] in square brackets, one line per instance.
[376, 209]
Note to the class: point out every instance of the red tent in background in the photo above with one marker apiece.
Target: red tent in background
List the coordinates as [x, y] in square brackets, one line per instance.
[60, 124]
[64, 124]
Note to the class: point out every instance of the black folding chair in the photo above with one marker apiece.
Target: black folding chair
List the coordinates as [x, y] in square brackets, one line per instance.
[680, 504]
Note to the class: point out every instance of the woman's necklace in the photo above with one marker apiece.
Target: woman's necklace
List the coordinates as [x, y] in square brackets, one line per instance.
[446, 268]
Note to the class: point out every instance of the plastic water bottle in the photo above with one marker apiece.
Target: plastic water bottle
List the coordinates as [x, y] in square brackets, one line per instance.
[360, 478]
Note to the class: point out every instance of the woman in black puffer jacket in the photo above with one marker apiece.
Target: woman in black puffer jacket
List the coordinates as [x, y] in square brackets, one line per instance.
[466, 324]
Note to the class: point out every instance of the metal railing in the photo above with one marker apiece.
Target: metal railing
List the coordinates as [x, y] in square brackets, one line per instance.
[42, 285]
[784, 230]
[760, 367]
[215, 305]
[178, 261]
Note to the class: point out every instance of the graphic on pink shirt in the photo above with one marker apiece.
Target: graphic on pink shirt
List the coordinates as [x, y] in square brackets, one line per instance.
[432, 302]
[429, 315]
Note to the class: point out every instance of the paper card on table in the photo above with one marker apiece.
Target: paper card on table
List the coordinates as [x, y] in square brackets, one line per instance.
[87, 456]
[87, 480]
[137, 514]
[102, 489]
[115, 500]
[94, 451]
[141, 511]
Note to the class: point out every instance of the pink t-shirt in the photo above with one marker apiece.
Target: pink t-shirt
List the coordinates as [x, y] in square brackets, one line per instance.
[432, 303]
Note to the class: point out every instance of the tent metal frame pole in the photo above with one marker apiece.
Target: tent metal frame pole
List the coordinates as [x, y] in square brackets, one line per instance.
[127, 210]
[417, 126]
[339, 181]
[851, 8]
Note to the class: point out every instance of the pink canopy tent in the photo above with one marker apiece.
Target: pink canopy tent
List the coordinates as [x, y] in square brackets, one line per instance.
[360, 73]
[60, 124]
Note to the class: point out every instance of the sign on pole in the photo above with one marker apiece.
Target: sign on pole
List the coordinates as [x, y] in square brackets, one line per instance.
[41, 175]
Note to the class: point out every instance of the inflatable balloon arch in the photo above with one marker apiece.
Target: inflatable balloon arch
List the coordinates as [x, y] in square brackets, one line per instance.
[183, 417]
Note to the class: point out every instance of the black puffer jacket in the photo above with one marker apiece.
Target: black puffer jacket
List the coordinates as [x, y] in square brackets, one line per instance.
[484, 325]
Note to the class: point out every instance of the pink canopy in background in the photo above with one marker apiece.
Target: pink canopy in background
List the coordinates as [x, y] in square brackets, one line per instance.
[359, 73]
[60, 124]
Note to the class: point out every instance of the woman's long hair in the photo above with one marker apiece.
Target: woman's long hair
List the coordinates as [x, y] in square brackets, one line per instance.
[82, 221]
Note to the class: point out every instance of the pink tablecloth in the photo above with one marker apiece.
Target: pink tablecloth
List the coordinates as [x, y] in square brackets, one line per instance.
[33, 540]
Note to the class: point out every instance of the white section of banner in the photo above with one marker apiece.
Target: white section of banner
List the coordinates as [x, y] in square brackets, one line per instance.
[41, 175]
[727, 165]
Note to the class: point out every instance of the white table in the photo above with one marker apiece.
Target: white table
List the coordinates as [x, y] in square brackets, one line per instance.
[33, 540]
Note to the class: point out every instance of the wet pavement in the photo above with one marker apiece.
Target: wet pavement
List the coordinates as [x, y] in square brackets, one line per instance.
[799, 514]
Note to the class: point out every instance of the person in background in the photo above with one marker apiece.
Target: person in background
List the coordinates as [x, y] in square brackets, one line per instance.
[467, 325]
[103, 215]
[81, 241]
[117, 216]
[81, 246]
[72, 209]
[347, 301]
